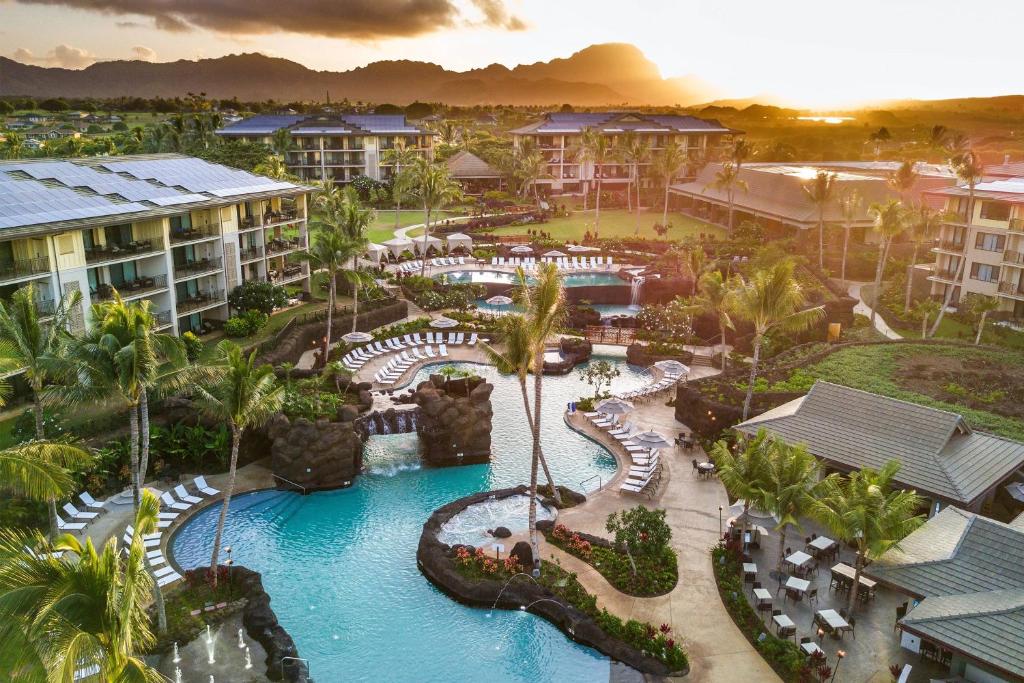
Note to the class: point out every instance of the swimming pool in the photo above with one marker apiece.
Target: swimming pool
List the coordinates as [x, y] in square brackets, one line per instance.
[340, 566]
[497, 277]
[606, 310]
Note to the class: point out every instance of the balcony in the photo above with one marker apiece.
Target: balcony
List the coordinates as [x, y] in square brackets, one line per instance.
[162, 320]
[1013, 258]
[250, 254]
[197, 233]
[274, 218]
[1014, 290]
[1016, 225]
[279, 246]
[954, 246]
[131, 289]
[20, 268]
[45, 307]
[291, 272]
[119, 252]
[197, 302]
[944, 275]
[190, 269]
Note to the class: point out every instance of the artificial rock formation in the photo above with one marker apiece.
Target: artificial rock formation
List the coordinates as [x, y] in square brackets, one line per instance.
[315, 455]
[454, 422]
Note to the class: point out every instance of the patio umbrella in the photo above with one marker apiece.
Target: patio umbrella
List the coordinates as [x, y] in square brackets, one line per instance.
[554, 254]
[522, 249]
[357, 337]
[651, 439]
[614, 406]
[579, 248]
[754, 514]
[499, 300]
[1016, 491]
[444, 322]
[672, 367]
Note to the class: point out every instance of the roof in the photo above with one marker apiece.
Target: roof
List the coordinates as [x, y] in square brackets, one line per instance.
[940, 454]
[619, 121]
[465, 164]
[336, 124]
[1006, 170]
[40, 193]
[1005, 189]
[264, 124]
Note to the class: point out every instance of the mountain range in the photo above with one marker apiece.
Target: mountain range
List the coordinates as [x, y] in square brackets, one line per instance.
[606, 74]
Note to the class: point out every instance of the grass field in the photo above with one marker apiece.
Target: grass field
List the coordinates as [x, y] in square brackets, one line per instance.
[618, 223]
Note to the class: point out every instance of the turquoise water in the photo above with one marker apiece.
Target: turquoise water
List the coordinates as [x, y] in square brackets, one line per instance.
[606, 310]
[497, 277]
[340, 566]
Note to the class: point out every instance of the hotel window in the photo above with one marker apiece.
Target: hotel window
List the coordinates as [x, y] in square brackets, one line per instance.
[986, 241]
[984, 272]
[995, 211]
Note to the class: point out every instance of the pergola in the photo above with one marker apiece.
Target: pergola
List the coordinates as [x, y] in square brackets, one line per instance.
[456, 240]
[397, 245]
[375, 252]
[423, 244]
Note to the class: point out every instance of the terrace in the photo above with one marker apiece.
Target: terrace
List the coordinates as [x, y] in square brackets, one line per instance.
[116, 252]
[24, 268]
[131, 289]
[200, 301]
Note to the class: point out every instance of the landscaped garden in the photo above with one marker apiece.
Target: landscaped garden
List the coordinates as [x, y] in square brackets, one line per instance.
[617, 224]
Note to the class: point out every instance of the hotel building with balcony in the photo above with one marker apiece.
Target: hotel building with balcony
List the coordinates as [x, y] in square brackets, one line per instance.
[990, 238]
[176, 230]
[341, 147]
[557, 136]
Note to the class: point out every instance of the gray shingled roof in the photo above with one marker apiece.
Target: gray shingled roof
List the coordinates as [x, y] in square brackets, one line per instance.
[940, 455]
[465, 164]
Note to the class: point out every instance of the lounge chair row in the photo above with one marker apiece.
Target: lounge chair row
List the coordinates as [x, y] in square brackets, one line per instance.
[449, 261]
[410, 266]
[390, 373]
[644, 475]
[566, 263]
[666, 382]
[357, 358]
[155, 560]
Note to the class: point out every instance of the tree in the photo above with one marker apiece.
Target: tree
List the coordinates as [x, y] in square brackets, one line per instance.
[640, 532]
[727, 179]
[772, 300]
[353, 221]
[435, 188]
[862, 509]
[245, 395]
[715, 297]
[596, 148]
[849, 206]
[969, 170]
[923, 310]
[634, 150]
[743, 473]
[788, 489]
[820, 193]
[14, 145]
[39, 470]
[258, 295]
[34, 347]
[890, 220]
[281, 142]
[398, 158]
[329, 250]
[980, 306]
[599, 374]
[273, 167]
[667, 164]
[924, 222]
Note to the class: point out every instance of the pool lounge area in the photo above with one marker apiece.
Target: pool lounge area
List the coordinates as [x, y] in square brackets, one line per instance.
[498, 277]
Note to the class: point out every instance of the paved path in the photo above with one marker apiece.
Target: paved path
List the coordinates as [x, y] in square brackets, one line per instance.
[863, 309]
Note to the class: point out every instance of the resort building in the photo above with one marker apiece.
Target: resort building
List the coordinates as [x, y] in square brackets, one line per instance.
[941, 456]
[991, 240]
[964, 574]
[341, 147]
[774, 194]
[176, 230]
[474, 174]
[557, 136]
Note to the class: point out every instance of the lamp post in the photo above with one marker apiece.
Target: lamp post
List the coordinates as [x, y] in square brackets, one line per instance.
[839, 656]
[720, 532]
[821, 635]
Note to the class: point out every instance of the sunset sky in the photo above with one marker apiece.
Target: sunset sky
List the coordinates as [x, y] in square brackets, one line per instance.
[815, 53]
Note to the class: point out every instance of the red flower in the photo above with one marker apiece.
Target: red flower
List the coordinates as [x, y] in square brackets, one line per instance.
[665, 628]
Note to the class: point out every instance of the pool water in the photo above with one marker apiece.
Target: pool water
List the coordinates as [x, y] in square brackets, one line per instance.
[606, 310]
[340, 566]
[497, 277]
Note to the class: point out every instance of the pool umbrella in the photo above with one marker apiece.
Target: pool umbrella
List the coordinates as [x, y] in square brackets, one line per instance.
[614, 406]
[499, 300]
[579, 248]
[357, 337]
[672, 367]
[554, 254]
[522, 249]
[650, 439]
[754, 514]
[444, 322]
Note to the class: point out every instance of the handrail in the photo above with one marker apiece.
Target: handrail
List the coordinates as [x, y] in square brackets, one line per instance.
[600, 483]
[289, 481]
[294, 659]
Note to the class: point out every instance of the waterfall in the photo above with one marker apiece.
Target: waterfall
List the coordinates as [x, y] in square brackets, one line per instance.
[385, 428]
[400, 422]
[634, 292]
[371, 427]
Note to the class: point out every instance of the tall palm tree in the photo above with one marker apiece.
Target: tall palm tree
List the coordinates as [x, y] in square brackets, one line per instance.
[862, 508]
[273, 167]
[727, 179]
[743, 473]
[85, 608]
[923, 310]
[980, 306]
[354, 220]
[517, 359]
[634, 150]
[969, 169]
[14, 144]
[330, 250]
[849, 206]
[39, 470]
[820, 193]
[596, 148]
[329, 198]
[667, 165]
[772, 300]
[740, 151]
[398, 158]
[246, 395]
[903, 179]
[890, 221]
[715, 297]
[281, 142]
[924, 224]
[435, 188]
[529, 166]
[33, 346]
[788, 488]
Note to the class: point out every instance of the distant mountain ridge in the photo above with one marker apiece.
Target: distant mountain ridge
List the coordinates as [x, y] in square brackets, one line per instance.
[607, 74]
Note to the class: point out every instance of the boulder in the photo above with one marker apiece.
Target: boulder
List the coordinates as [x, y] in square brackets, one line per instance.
[315, 455]
[454, 420]
[523, 554]
[501, 532]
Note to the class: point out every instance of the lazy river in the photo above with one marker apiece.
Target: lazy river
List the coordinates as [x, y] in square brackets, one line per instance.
[340, 566]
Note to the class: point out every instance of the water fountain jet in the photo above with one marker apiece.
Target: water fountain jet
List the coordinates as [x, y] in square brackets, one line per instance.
[177, 674]
[241, 640]
[248, 659]
[177, 657]
[507, 582]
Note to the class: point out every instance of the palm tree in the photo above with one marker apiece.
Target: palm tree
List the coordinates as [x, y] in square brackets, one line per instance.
[435, 188]
[398, 158]
[890, 221]
[666, 166]
[924, 222]
[849, 206]
[529, 167]
[727, 179]
[772, 300]
[923, 310]
[329, 198]
[518, 359]
[903, 179]
[980, 305]
[743, 473]
[273, 167]
[862, 509]
[715, 297]
[39, 470]
[14, 144]
[85, 608]
[634, 150]
[281, 142]
[969, 169]
[245, 396]
[740, 151]
[788, 488]
[354, 220]
[820, 193]
[32, 346]
[329, 250]
[598, 150]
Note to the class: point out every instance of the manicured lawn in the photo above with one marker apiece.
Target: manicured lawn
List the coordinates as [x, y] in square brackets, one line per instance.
[617, 223]
[383, 226]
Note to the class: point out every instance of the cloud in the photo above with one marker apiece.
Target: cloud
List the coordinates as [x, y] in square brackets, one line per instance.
[355, 19]
[143, 53]
[64, 56]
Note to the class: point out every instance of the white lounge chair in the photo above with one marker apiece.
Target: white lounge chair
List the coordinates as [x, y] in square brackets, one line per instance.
[75, 513]
[169, 501]
[91, 502]
[170, 578]
[167, 515]
[185, 496]
[69, 526]
[429, 350]
[443, 349]
[472, 339]
[458, 339]
[203, 487]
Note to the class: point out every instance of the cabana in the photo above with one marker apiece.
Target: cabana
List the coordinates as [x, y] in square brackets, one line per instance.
[399, 244]
[375, 252]
[423, 244]
[457, 240]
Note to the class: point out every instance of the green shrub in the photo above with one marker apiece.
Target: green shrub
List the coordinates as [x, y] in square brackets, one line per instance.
[258, 295]
[246, 324]
[193, 345]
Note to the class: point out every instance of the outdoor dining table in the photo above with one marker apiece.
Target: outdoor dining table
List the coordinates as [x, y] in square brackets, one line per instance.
[762, 594]
[798, 559]
[847, 571]
[706, 467]
[821, 543]
[796, 584]
[782, 621]
[811, 648]
[833, 620]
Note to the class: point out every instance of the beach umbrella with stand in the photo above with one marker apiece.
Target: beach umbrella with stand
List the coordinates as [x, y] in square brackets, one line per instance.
[672, 367]
[579, 249]
[614, 406]
[554, 254]
[357, 337]
[499, 300]
[443, 323]
[651, 439]
[522, 249]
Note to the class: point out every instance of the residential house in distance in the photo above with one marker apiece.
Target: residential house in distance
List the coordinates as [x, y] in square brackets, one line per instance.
[941, 456]
[176, 230]
[991, 240]
[52, 133]
[557, 136]
[341, 147]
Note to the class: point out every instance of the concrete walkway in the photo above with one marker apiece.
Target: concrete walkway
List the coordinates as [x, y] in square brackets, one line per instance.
[863, 309]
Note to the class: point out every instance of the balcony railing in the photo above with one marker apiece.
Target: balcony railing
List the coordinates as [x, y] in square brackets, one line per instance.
[290, 271]
[944, 274]
[950, 245]
[250, 222]
[280, 246]
[250, 254]
[1014, 257]
[200, 300]
[196, 232]
[275, 217]
[162, 319]
[24, 268]
[1016, 225]
[142, 285]
[45, 307]
[117, 251]
[1012, 289]
[198, 266]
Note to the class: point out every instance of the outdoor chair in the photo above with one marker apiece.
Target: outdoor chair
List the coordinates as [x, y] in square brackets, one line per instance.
[764, 606]
[783, 578]
[901, 612]
[75, 513]
[853, 626]
[787, 632]
[757, 584]
[812, 596]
